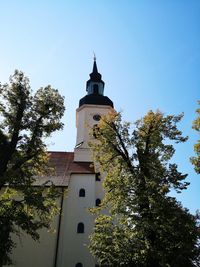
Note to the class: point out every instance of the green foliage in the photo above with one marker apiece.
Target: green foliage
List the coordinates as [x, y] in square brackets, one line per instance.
[144, 226]
[196, 126]
[25, 120]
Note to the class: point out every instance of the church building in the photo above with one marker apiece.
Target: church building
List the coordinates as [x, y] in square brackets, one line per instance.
[74, 171]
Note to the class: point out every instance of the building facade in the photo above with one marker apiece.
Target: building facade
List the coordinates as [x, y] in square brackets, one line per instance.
[68, 245]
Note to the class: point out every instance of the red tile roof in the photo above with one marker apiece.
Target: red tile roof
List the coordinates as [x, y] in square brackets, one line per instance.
[63, 165]
[64, 162]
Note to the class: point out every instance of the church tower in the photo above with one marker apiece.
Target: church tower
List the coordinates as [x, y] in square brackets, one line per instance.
[91, 108]
[85, 186]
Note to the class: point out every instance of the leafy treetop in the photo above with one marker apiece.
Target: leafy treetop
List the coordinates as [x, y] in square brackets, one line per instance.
[25, 120]
[145, 226]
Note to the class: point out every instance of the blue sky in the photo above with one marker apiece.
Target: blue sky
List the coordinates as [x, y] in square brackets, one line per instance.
[147, 52]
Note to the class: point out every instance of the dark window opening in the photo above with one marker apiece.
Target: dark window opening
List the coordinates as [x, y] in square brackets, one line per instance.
[82, 192]
[80, 228]
[98, 202]
[79, 264]
[96, 89]
[97, 176]
[97, 117]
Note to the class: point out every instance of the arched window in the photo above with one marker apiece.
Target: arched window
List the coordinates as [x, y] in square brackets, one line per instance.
[79, 264]
[98, 202]
[80, 228]
[96, 89]
[82, 192]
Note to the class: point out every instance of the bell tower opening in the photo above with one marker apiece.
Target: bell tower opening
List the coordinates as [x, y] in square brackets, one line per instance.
[95, 89]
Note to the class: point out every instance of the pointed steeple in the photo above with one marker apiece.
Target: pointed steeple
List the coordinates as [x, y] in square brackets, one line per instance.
[95, 89]
[95, 70]
[95, 76]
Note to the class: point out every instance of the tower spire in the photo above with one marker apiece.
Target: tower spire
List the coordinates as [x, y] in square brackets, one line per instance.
[95, 89]
[95, 75]
[95, 70]
[94, 56]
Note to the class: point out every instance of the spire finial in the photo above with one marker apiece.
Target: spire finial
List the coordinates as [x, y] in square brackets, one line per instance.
[95, 70]
[94, 56]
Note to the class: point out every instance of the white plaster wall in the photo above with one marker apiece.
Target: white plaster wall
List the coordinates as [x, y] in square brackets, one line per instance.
[85, 121]
[29, 253]
[73, 246]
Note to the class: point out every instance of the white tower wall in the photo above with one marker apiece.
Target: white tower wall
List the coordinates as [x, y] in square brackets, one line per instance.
[84, 123]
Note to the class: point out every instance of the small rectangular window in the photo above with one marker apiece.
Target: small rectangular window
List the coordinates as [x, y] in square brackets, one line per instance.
[82, 192]
[97, 176]
[80, 228]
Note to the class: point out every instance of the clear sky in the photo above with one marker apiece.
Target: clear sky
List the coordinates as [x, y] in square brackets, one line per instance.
[147, 52]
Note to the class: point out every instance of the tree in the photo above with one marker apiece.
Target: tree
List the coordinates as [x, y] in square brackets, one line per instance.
[143, 225]
[196, 126]
[25, 120]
